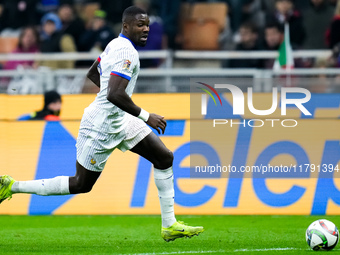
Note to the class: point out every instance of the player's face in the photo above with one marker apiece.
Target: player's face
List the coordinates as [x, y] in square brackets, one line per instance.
[139, 29]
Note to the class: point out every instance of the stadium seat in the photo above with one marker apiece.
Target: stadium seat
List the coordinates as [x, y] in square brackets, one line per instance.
[8, 44]
[214, 11]
[200, 25]
[200, 35]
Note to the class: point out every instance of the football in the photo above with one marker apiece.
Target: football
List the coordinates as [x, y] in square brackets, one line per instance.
[322, 235]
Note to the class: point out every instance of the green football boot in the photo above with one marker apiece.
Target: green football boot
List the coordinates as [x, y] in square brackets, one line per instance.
[180, 229]
[6, 183]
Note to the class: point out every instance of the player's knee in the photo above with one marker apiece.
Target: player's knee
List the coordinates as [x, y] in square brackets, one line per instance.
[165, 160]
[170, 158]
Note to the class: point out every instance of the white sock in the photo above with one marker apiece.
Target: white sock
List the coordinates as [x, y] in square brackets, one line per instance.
[45, 187]
[164, 180]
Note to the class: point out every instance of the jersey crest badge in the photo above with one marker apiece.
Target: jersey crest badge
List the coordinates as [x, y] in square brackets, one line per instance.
[127, 64]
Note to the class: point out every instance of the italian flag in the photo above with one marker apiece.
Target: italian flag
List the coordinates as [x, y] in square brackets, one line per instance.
[285, 59]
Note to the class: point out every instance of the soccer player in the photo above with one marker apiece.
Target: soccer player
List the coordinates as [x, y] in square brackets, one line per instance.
[113, 121]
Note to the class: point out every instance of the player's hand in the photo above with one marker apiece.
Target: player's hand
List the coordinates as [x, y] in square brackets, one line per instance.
[157, 122]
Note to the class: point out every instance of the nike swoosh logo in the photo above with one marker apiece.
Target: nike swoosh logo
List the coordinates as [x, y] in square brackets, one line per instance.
[180, 230]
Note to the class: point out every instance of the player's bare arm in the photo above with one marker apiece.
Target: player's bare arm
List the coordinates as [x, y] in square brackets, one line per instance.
[93, 73]
[116, 94]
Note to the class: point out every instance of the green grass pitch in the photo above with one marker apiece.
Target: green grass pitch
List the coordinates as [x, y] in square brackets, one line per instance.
[141, 235]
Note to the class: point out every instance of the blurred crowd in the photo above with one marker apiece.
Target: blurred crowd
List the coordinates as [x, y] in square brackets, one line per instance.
[52, 26]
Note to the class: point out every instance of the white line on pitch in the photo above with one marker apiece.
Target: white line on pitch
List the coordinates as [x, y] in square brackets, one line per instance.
[177, 252]
[268, 249]
[220, 251]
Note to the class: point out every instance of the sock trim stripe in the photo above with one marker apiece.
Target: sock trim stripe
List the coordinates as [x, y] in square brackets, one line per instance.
[161, 174]
[165, 178]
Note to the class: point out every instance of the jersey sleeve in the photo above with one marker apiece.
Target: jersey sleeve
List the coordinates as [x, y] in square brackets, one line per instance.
[124, 63]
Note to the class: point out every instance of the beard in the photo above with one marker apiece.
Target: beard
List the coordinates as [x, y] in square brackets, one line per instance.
[141, 44]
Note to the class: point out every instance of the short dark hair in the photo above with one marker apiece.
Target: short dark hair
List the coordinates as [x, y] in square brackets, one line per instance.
[130, 13]
[251, 26]
[276, 25]
[51, 96]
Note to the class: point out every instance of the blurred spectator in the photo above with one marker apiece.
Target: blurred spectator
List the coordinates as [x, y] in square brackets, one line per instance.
[333, 33]
[236, 12]
[71, 23]
[156, 39]
[321, 83]
[54, 41]
[248, 42]
[46, 6]
[274, 36]
[169, 14]
[50, 111]
[334, 60]
[114, 9]
[316, 21]
[301, 5]
[285, 12]
[268, 6]
[18, 13]
[28, 43]
[155, 7]
[98, 35]
[252, 12]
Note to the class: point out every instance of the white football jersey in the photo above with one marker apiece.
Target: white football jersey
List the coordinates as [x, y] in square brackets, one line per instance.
[119, 58]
